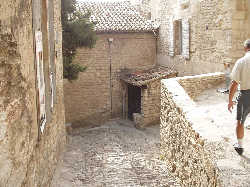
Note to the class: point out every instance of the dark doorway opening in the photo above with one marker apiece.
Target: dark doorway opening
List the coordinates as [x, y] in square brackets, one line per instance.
[134, 100]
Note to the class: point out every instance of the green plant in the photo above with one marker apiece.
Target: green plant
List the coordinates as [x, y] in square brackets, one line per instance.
[77, 32]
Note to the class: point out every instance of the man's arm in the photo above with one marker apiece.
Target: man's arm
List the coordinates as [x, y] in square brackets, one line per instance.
[232, 91]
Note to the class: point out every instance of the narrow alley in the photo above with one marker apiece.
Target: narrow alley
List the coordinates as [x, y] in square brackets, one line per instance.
[115, 154]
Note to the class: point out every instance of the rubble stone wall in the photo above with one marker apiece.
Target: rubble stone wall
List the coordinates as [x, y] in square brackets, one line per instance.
[151, 103]
[26, 161]
[151, 99]
[210, 35]
[88, 99]
[194, 85]
[183, 149]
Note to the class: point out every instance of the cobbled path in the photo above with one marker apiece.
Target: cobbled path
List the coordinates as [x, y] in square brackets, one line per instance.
[113, 155]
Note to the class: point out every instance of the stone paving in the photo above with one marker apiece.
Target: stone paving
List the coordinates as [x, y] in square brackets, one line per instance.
[113, 155]
[219, 127]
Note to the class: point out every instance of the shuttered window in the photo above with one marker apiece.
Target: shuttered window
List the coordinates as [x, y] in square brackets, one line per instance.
[186, 38]
[179, 38]
[171, 39]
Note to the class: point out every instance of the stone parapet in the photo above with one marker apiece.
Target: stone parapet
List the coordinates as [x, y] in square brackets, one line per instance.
[183, 146]
[194, 85]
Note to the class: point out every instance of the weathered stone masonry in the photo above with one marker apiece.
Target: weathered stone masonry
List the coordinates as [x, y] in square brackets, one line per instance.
[216, 33]
[194, 85]
[151, 103]
[186, 152]
[88, 98]
[25, 160]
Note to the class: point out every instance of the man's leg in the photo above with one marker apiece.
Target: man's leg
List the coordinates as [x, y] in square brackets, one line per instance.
[240, 136]
[240, 130]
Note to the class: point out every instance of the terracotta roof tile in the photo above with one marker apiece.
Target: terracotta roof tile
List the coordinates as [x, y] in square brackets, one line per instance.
[117, 17]
[142, 78]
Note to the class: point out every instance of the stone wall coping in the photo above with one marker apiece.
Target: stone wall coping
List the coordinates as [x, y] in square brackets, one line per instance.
[180, 96]
[185, 104]
[200, 76]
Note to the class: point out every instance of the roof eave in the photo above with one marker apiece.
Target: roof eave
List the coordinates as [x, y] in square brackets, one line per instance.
[125, 31]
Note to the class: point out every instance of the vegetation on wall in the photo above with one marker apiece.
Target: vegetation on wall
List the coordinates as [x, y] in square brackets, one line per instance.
[77, 32]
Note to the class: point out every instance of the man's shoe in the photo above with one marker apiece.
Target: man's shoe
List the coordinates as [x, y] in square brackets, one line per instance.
[239, 150]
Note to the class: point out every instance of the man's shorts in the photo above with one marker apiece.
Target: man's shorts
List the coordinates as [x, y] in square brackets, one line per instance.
[243, 106]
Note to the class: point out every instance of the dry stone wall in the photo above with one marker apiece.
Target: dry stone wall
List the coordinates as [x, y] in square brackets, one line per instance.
[88, 99]
[194, 85]
[186, 152]
[26, 161]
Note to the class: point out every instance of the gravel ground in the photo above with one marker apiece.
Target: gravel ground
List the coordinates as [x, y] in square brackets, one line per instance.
[113, 155]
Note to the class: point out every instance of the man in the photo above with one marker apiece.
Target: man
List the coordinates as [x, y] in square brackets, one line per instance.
[241, 76]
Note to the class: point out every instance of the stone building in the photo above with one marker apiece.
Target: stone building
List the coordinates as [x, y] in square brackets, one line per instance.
[148, 8]
[199, 36]
[32, 131]
[142, 92]
[126, 44]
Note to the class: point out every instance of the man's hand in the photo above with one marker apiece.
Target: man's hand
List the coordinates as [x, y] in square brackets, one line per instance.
[232, 91]
[231, 106]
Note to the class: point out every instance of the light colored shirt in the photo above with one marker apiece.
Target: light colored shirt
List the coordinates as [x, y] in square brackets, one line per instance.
[241, 72]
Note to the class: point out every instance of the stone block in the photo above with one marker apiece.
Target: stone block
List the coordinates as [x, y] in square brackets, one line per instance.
[139, 120]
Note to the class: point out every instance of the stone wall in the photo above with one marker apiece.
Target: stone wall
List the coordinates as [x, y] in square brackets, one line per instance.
[208, 40]
[27, 157]
[183, 147]
[88, 99]
[151, 103]
[194, 85]
[151, 99]
[240, 26]
[148, 8]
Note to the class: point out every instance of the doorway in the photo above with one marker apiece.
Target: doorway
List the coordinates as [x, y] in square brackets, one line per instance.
[134, 100]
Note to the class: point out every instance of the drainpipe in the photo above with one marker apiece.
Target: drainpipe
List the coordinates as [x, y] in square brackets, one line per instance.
[110, 41]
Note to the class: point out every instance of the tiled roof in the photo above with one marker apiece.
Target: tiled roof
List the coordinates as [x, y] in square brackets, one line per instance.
[145, 77]
[117, 17]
